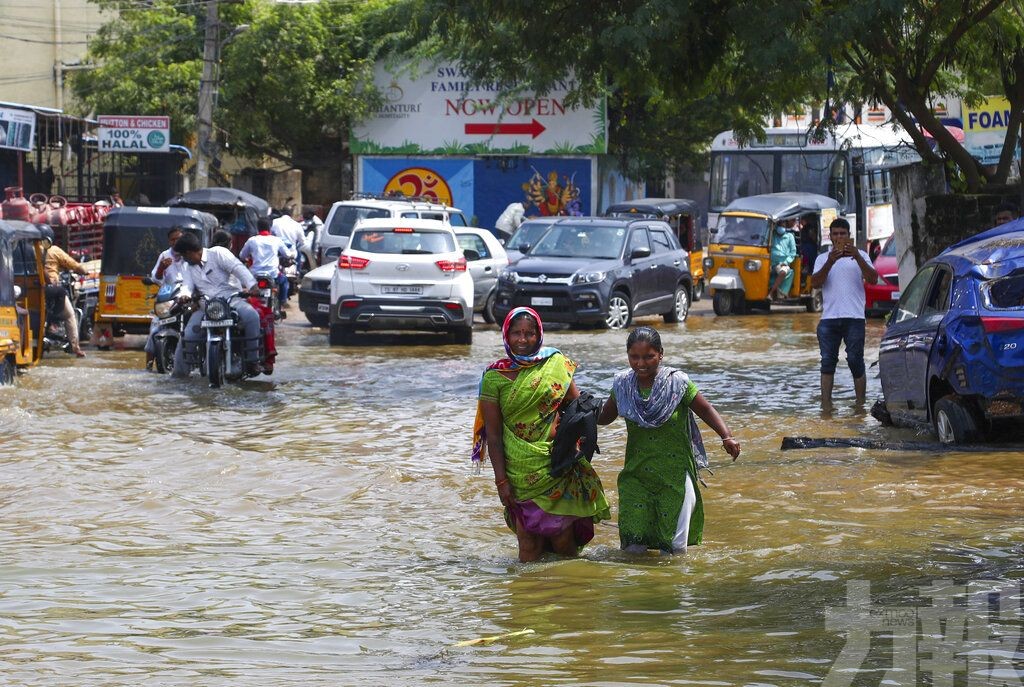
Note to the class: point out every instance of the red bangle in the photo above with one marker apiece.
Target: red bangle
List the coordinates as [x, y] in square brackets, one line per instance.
[500, 482]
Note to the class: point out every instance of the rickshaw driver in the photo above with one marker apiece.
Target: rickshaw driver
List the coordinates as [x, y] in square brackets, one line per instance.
[209, 271]
[782, 254]
[56, 260]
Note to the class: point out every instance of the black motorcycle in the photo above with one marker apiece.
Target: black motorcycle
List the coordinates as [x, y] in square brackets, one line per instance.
[171, 316]
[83, 301]
[221, 356]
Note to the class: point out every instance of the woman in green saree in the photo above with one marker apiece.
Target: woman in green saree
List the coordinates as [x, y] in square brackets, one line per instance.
[517, 416]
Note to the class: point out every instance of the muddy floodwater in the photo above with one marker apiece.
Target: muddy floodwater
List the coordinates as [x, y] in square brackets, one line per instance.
[324, 527]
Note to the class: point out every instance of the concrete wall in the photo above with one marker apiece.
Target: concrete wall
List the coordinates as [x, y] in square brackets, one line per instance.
[927, 219]
[45, 35]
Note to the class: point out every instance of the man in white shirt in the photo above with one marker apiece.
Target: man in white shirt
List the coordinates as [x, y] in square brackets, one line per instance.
[166, 271]
[290, 231]
[263, 252]
[208, 272]
[841, 274]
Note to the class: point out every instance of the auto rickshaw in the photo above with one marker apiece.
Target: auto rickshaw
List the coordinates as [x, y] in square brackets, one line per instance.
[235, 210]
[133, 238]
[22, 300]
[738, 262]
[684, 217]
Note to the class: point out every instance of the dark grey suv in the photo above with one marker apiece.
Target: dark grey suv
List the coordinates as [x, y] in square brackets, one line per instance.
[600, 270]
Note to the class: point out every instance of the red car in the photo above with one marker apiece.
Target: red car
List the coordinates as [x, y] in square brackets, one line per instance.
[881, 297]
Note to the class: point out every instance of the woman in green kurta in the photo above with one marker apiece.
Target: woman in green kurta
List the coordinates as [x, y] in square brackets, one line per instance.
[659, 504]
[518, 409]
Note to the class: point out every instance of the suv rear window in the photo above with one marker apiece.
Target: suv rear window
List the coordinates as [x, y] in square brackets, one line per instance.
[346, 216]
[1005, 293]
[403, 241]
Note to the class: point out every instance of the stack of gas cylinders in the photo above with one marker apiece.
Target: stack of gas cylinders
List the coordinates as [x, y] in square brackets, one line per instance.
[82, 222]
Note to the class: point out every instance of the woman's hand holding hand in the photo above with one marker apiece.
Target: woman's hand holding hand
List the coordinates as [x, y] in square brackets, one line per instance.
[732, 447]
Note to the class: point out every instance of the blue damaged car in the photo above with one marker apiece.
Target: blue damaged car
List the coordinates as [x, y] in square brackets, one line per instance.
[952, 355]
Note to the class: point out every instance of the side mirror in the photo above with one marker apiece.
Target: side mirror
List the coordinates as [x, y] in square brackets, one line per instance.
[524, 248]
[17, 292]
[712, 230]
[639, 253]
[470, 254]
[149, 281]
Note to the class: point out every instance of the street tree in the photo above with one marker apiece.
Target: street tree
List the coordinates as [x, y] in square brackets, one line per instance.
[908, 53]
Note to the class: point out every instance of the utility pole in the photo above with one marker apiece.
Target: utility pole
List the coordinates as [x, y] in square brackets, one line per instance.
[207, 96]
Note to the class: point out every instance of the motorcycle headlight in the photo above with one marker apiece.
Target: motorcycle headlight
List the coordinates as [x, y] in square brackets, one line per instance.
[708, 263]
[217, 310]
[588, 277]
[509, 275]
[752, 265]
[163, 309]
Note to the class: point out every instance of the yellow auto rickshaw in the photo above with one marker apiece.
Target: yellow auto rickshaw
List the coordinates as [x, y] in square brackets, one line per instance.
[684, 217]
[739, 251]
[133, 238]
[22, 300]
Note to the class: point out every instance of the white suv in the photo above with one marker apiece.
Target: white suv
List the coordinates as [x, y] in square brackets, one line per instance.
[401, 274]
[344, 214]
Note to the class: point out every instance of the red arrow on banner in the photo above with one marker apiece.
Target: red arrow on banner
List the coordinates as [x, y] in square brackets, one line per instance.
[534, 128]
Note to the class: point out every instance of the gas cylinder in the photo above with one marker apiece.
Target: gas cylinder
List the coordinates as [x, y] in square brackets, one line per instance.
[15, 206]
[59, 214]
[40, 210]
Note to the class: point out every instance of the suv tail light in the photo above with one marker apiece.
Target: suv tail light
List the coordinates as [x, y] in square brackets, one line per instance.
[452, 265]
[352, 262]
[994, 325]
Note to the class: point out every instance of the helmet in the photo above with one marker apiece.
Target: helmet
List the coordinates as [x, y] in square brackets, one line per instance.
[46, 231]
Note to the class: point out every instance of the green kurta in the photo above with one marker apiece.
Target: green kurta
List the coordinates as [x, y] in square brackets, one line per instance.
[528, 404]
[651, 484]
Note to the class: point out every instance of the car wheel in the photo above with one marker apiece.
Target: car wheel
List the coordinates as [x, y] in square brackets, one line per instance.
[698, 290]
[680, 306]
[620, 311]
[489, 316]
[464, 336]
[723, 302]
[954, 423]
[341, 335]
[6, 372]
[318, 319]
[816, 302]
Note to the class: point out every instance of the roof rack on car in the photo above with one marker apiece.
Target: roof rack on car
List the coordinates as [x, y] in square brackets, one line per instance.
[391, 195]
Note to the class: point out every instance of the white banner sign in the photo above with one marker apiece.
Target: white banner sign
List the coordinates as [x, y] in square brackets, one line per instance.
[17, 129]
[443, 113]
[134, 134]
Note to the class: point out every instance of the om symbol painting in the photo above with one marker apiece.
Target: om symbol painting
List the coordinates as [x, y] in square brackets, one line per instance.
[420, 181]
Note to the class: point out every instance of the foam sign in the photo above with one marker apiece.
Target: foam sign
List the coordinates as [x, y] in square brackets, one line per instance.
[985, 128]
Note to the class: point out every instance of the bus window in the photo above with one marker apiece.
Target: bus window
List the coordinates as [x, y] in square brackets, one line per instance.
[740, 175]
[805, 172]
[879, 190]
[838, 179]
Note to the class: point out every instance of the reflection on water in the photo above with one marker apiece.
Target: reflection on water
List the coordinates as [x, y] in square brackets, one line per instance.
[323, 526]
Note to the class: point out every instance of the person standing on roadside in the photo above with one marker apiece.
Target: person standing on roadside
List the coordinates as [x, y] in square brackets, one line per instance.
[1006, 212]
[841, 274]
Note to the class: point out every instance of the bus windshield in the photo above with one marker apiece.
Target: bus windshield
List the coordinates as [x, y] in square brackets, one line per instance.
[742, 231]
[739, 175]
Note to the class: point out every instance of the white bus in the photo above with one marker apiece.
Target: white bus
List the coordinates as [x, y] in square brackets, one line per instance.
[851, 166]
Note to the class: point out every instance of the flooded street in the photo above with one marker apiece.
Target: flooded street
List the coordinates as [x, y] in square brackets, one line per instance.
[323, 526]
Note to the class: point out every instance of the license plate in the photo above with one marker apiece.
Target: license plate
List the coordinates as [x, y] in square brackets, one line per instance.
[895, 295]
[216, 323]
[265, 293]
[168, 320]
[402, 290]
[542, 300]
[323, 307]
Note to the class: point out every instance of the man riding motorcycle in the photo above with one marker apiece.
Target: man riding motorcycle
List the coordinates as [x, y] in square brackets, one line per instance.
[54, 262]
[208, 271]
[167, 271]
[264, 253]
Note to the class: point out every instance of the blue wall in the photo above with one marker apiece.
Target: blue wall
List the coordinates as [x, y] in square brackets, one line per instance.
[484, 186]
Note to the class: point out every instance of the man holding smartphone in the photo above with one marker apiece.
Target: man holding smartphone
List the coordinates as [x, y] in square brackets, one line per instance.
[841, 274]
